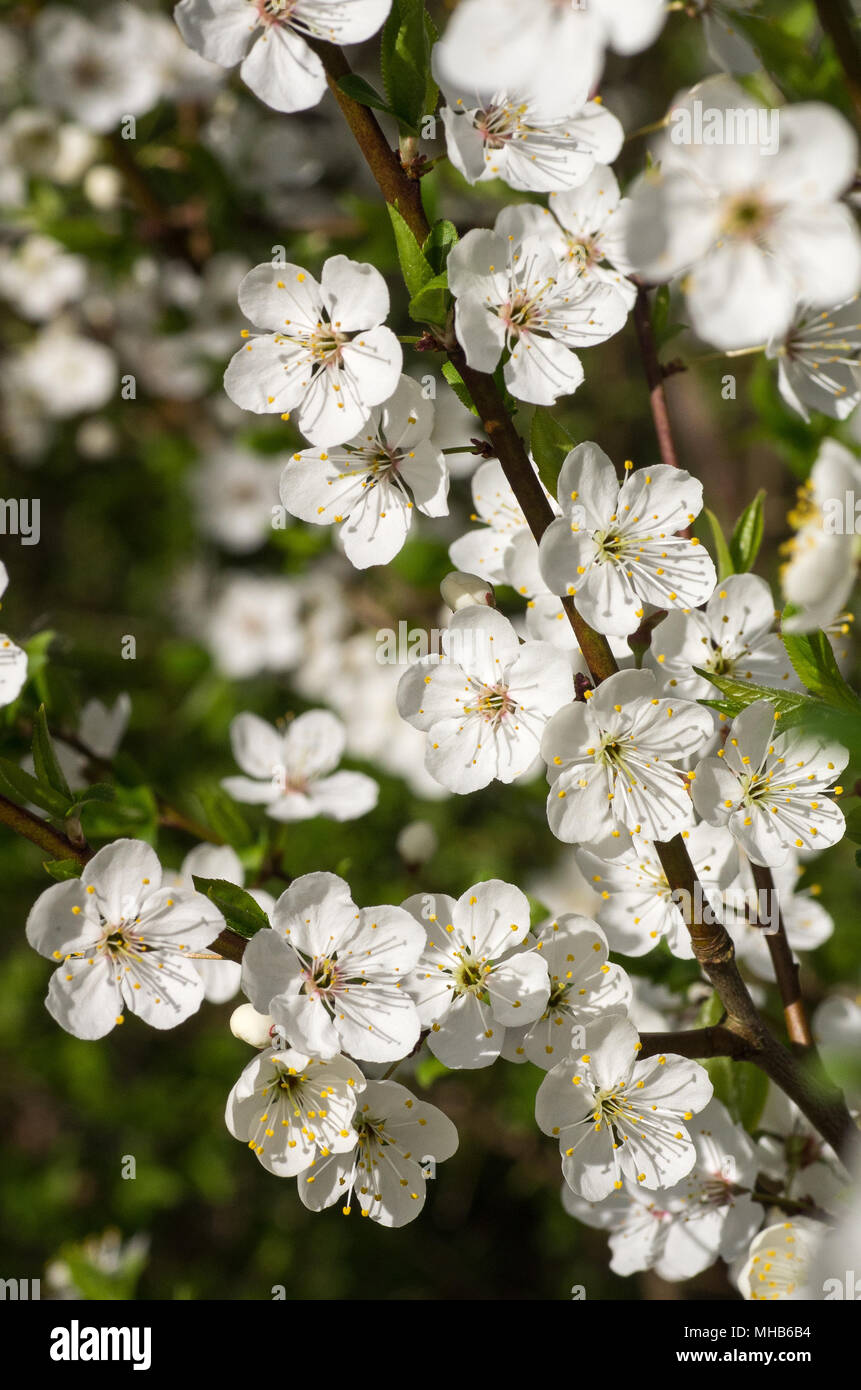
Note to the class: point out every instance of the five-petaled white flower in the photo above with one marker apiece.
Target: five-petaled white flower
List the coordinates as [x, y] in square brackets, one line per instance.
[819, 360]
[123, 942]
[753, 217]
[324, 352]
[268, 38]
[523, 299]
[397, 1142]
[290, 1108]
[333, 976]
[13, 661]
[474, 979]
[772, 790]
[585, 226]
[371, 483]
[292, 773]
[710, 1213]
[614, 548]
[584, 987]
[609, 762]
[617, 1117]
[505, 136]
[732, 636]
[485, 701]
[639, 908]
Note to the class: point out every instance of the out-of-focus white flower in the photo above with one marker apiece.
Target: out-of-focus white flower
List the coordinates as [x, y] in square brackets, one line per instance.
[13, 661]
[727, 43]
[417, 843]
[806, 921]
[822, 564]
[39, 277]
[615, 547]
[97, 71]
[292, 773]
[254, 626]
[484, 551]
[610, 762]
[755, 220]
[64, 373]
[553, 55]
[780, 1260]
[324, 354]
[267, 38]
[772, 790]
[103, 187]
[235, 492]
[35, 142]
[371, 484]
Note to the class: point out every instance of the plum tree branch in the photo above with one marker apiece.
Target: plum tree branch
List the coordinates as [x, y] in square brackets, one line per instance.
[713, 946]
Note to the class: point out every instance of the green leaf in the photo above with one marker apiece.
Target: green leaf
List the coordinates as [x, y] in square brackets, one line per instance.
[458, 386]
[441, 238]
[361, 91]
[239, 910]
[431, 304]
[416, 270]
[662, 328]
[725, 566]
[224, 816]
[405, 62]
[747, 536]
[816, 667]
[48, 770]
[550, 445]
[99, 791]
[740, 694]
[749, 1094]
[61, 869]
[432, 90]
[18, 784]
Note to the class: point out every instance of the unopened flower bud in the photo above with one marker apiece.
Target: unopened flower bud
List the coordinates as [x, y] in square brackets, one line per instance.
[417, 843]
[103, 187]
[254, 1028]
[460, 590]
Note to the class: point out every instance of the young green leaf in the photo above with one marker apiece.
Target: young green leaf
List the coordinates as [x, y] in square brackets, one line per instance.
[61, 869]
[747, 536]
[18, 784]
[438, 244]
[431, 304]
[725, 566]
[361, 91]
[458, 385]
[224, 816]
[816, 667]
[239, 910]
[416, 270]
[405, 62]
[550, 445]
[48, 770]
[739, 694]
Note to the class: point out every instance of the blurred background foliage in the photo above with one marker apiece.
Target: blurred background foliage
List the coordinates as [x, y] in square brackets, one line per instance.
[119, 538]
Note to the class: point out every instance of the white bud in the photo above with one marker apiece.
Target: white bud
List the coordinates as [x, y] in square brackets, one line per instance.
[103, 187]
[254, 1028]
[461, 590]
[96, 438]
[417, 842]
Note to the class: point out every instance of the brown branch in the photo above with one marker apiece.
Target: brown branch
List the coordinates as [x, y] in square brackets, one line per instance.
[40, 833]
[836, 23]
[713, 946]
[717, 1041]
[785, 967]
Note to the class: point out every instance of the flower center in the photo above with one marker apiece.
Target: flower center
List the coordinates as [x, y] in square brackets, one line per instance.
[325, 344]
[323, 978]
[747, 216]
[274, 11]
[496, 125]
[469, 976]
[493, 704]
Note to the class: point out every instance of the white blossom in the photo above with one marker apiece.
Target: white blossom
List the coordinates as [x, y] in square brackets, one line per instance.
[522, 299]
[253, 625]
[485, 701]
[770, 789]
[475, 980]
[40, 277]
[617, 1117]
[397, 1140]
[123, 941]
[98, 71]
[13, 661]
[333, 976]
[267, 37]
[614, 549]
[610, 762]
[819, 360]
[819, 574]
[324, 353]
[780, 1261]
[235, 493]
[292, 773]
[291, 1108]
[584, 987]
[371, 484]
